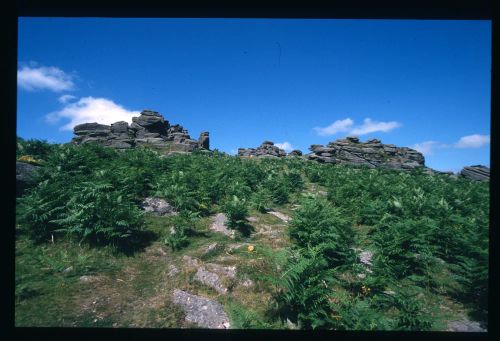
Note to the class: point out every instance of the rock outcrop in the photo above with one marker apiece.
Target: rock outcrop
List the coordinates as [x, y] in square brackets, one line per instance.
[26, 175]
[266, 149]
[478, 172]
[371, 153]
[150, 128]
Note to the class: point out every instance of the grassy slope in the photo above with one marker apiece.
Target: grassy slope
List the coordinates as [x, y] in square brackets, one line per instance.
[135, 291]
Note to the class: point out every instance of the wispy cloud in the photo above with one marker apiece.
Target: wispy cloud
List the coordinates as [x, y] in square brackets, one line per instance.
[469, 141]
[347, 126]
[473, 141]
[370, 126]
[427, 147]
[286, 146]
[334, 128]
[90, 109]
[44, 78]
[66, 98]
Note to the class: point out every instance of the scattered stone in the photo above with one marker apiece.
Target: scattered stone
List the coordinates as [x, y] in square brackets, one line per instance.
[219, 225]
[291, 325]
[228, 271]
[280, 215]
[209, 248]
[67, 270]
[465, 325]
[89, 279]
[252, 219]
[203, 311]
[172, 270]
[190, 261]
[478, 172]
[247, 283]
[365, 257]
[211, 279]
[371, 153]
[158, 206]
[389, 292]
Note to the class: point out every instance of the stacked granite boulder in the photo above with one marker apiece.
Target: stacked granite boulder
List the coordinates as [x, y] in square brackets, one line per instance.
[478, 172]
[150, 128]
[371, 153]
[266, 149]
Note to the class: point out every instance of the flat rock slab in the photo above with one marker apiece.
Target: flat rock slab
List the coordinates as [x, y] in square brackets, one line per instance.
[211, 279]
[280, 215]
[203, 311]
[219, 225]
[465, 325]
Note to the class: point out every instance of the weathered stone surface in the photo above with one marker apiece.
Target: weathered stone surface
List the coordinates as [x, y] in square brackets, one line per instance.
[372, 154]
[295, 152]
[204, 140]
[158, 206]
[266, 149]
[203, 311]
[478, 172]
[210, 279]
[91, 128]
[465, 325]
[280, 215]
[26, 175]
[219, 225]
[150, 128]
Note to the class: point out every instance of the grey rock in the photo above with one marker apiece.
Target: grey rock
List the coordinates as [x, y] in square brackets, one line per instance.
[210, 248]
[295, 152]
[204, 140]
[266, 149]
[210, 279]
[91, 128]
[26, 176]
[465, 325]
[219, 225]
[150, 128]
[478, 172]
[203, 311]
[120, 127]
[158, 206]
[372, 154]
[172, 271]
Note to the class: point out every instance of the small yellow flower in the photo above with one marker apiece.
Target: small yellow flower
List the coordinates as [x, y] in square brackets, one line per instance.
[250, 248]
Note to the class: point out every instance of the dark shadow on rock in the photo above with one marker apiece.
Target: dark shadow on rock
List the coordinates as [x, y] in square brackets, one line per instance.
[246, 230]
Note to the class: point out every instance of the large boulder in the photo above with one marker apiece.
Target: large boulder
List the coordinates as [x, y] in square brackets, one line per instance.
[478, 172]
[26, 176]
[92, 129]
[204, 141]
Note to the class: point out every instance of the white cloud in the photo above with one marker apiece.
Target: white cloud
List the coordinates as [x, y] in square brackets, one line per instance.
[347, 125]
[286, 146]
[66, 98]
[426, 147]
[370, 126]
[473, 141]
[334, 128]
[44, 78]
[90, 109]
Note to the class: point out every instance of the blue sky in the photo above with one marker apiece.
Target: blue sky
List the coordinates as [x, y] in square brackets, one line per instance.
[422, 84]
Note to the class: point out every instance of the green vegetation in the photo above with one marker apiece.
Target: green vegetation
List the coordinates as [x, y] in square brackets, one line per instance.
[428, 236]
